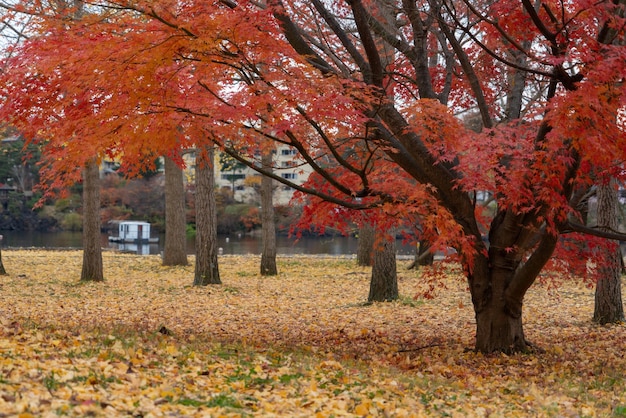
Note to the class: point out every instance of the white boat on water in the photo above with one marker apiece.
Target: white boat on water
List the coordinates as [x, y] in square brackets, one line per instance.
[133, 232]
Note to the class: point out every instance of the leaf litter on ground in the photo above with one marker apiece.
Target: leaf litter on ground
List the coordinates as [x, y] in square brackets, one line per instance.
[303, 343]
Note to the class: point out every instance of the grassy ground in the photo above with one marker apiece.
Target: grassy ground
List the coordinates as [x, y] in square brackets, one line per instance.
[147, 343]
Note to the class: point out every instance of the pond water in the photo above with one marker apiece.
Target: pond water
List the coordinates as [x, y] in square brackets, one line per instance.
[234, 244]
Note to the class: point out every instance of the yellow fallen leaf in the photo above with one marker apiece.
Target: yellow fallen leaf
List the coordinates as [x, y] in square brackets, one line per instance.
[362, 409]
[166, 393]
[172, 350]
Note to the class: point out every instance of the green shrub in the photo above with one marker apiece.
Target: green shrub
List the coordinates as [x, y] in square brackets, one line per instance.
[67, 204]
[72, 222]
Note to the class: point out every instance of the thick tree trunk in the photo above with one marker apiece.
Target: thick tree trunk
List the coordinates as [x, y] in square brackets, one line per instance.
[365, 245]
[498, 318]
[384, 281]
[497, 330]
[92, 251]
[268, 224]
[175, 251]
[608, 297]
[206, 269]
[499, 279]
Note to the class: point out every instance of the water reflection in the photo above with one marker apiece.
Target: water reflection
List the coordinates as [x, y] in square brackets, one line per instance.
[140, 249]
[230, 244]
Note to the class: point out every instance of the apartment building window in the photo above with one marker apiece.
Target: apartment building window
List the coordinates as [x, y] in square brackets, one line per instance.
[232, 177]
[288, 151]
[289, 176]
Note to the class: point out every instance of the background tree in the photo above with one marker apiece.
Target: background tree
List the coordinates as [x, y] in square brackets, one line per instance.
[384, 279]
[3, 271]
[235, 167]
[377, 248]
[365, 248]
[424, 256]
[608, 297]
[145, 197]
[268, 221]
[18, 164]
[206, 268]
[92, 269]
[175, 249]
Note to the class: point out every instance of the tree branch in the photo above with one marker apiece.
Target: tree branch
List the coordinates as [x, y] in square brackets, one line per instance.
[341, 34]
[375, 75]
[572, 226]
[291, 32]
[527, 273]
[269, 173]
[420, 61]
[469, 72]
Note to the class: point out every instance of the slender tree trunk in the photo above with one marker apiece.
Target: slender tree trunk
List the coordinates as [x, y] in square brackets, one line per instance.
[365, 245]
[175, 251]
[384, 282]
[608, 297]
[268, 224]
[92, 250]
[206, 269]
[3, 272]
[425, 257]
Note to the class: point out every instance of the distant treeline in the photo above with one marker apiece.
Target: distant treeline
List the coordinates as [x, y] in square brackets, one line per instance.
[141, 199]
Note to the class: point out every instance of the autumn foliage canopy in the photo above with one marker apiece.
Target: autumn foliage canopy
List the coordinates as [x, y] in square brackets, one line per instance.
[407, 111]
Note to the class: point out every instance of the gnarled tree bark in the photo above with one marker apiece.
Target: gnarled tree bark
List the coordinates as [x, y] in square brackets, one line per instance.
[608, 296]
